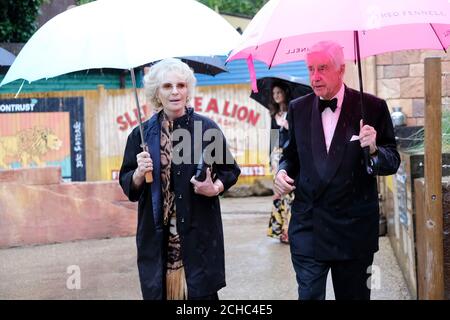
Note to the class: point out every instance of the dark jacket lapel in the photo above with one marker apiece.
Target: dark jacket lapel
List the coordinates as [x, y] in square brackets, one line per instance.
[342, 135]
[318, 146]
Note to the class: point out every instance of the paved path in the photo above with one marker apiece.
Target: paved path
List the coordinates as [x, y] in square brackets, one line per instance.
[257, 267]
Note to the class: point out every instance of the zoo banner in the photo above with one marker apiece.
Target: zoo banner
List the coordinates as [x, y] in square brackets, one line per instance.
[245, 123]
[43, 132]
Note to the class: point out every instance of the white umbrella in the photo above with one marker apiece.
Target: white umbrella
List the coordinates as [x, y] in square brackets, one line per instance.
[122, 34]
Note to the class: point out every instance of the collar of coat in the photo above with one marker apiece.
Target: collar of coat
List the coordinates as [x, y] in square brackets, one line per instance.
[154, 123]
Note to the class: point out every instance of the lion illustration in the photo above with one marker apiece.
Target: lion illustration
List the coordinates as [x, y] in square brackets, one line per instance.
[29, 144]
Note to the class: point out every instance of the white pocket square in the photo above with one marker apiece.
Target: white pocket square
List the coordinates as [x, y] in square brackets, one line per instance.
[354, 138]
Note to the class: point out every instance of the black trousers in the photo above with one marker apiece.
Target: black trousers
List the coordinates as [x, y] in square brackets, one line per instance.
[350, 278]
[211, 297]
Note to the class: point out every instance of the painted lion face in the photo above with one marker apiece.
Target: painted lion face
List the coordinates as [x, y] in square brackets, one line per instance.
[53, 142]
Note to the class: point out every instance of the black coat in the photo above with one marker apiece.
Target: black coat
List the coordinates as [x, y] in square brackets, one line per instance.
[335, 215]
[198, 217]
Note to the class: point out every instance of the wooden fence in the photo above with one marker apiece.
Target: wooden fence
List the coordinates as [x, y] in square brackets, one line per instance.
[109, 116]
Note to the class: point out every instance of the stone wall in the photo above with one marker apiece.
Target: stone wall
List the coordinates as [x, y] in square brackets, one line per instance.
[37, 207]
[368, 68]
[400, 80]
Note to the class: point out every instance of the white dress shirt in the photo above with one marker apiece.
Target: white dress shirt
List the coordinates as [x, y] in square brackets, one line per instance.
[330, 118]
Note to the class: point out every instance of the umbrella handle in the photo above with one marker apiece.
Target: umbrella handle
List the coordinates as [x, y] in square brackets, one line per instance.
[148, 175]
[369, 168]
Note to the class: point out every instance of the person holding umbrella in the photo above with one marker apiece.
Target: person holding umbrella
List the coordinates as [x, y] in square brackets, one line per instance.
[281, 208]
[335, 214]
[179, 233]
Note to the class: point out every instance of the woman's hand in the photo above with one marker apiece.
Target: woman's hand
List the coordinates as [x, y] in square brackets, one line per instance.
[282, 122]
[145, 164]
[207, 188]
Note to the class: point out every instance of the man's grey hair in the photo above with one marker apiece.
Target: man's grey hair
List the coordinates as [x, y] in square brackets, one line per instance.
[332, 49]
[157, 74]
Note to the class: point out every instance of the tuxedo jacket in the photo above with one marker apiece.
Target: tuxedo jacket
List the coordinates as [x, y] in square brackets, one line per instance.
[335, 214]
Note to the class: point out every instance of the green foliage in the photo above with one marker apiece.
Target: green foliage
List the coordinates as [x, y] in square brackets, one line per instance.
[243, 7]
[80, 2]
[418, 138]
[18, 19]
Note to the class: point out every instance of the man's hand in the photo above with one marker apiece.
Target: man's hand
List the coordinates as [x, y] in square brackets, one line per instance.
[207, 188]
[368, 137]
[283, 184]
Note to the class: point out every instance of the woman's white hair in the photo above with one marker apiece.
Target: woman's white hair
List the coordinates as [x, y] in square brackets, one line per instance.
[332, 49]
[157, 74]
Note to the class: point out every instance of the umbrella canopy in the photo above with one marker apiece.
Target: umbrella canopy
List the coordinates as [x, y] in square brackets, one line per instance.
[6, 57]
[297, 88]
[209, 65]
[122, 34]
[205, 65]
[382, 25]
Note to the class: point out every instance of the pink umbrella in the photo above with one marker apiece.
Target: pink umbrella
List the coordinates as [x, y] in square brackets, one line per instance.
[282, 31]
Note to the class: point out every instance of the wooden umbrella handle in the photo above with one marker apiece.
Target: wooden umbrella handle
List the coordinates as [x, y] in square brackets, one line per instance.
[148, 175]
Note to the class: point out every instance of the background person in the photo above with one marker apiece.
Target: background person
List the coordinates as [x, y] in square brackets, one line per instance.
[281, 208]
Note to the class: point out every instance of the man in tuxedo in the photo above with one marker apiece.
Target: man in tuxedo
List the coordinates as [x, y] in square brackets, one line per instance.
[335, 215]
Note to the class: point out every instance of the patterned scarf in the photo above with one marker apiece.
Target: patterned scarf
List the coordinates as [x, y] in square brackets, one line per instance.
[175, 277]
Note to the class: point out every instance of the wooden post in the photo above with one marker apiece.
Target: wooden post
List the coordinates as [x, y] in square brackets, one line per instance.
[433, 228]
[96, 133]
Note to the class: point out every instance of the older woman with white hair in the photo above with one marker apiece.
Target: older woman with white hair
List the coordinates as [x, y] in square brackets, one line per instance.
[179, 232]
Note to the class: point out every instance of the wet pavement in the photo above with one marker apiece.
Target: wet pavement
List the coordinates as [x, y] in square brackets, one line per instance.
[257, 267]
